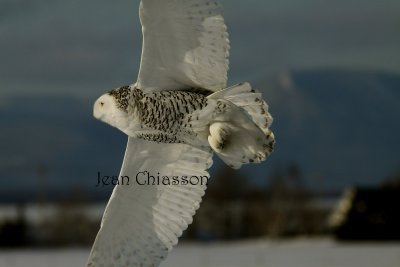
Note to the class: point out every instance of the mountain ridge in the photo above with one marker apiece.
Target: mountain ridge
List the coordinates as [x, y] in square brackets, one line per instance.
[337, 126]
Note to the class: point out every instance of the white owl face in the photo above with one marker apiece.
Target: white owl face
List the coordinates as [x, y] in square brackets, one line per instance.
[106, 109]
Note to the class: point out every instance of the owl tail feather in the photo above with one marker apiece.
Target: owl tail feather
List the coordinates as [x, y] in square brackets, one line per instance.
[239, 132]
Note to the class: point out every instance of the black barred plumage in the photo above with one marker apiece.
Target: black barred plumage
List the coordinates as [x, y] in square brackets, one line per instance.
[122, 95]
[163, 116]
[159, 137]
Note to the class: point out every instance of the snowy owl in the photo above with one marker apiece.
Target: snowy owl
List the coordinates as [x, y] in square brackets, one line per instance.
[177, 114]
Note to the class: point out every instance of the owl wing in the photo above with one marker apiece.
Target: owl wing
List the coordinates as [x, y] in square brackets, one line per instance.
[142, 223]
[185, 45]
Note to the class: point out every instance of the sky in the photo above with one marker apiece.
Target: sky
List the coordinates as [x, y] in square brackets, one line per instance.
[79, 49]
[85, 47]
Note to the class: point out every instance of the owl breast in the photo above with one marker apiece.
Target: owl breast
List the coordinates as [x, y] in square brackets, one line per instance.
[168, 116]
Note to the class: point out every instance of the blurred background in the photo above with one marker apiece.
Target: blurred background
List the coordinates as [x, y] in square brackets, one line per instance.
[330, 71]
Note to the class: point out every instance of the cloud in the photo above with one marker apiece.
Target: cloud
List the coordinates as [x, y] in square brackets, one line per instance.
[90, 46]
[308, 34]
[59, 44]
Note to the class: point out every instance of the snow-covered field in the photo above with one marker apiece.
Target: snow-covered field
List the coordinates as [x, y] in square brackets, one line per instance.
[298, 253]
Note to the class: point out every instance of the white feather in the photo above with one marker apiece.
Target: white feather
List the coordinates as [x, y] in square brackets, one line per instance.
[143, 222]
[185, 44]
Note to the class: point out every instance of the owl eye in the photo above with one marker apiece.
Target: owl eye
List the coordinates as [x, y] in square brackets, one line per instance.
[102, 103]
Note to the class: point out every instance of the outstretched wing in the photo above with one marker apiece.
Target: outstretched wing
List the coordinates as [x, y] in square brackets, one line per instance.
[142, 223]
[185, 44]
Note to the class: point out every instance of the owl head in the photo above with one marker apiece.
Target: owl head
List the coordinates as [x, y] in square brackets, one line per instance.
[113, 107]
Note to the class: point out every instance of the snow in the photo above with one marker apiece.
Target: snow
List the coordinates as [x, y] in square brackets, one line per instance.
[299, 253]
